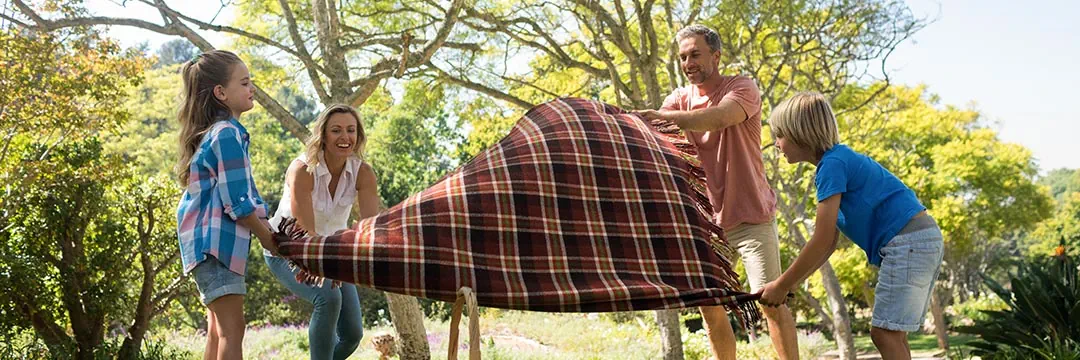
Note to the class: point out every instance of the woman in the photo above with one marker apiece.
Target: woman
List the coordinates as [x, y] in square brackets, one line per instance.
[320, 187]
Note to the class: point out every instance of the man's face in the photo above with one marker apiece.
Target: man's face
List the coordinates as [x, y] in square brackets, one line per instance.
[697, 60]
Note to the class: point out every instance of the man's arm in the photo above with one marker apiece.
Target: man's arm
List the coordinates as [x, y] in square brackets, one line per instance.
[725, 114]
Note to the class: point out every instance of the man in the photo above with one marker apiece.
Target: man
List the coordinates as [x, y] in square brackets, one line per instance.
[721, 116]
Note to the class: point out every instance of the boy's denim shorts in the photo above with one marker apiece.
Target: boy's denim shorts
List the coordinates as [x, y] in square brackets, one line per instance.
[910, 265]
[214, 280]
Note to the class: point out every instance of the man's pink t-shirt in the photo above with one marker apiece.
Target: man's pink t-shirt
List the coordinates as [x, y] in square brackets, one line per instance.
[731, 157]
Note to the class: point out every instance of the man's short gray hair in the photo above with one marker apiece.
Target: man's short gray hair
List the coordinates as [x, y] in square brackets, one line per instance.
[711, 37]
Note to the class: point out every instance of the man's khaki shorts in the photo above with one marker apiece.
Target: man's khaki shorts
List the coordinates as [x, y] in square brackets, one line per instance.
[759, 247]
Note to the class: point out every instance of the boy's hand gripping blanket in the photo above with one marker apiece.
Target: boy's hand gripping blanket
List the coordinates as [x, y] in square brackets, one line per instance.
[582, 207]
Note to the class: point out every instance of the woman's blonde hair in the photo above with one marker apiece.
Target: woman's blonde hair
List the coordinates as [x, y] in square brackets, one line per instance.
[200, 108]
[807, 120]
[317, 141]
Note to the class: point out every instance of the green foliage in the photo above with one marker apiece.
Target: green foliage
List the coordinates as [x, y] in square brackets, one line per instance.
[856, 275]
[27, 346]
[1042, 320]
[975, 309]
[54, 85]
[1062, 182]
[148, 140]
[411, 145]
[64, 232]
[1065, 224]
[71, 209]
[489, 123]
[176, 51]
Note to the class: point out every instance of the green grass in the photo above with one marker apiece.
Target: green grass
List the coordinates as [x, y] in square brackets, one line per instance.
[514, 335]
[919, 342]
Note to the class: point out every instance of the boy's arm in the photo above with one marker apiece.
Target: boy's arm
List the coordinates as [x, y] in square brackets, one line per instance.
[813, 255]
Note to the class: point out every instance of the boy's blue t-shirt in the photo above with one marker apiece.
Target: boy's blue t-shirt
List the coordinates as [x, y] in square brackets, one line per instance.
[874, 203]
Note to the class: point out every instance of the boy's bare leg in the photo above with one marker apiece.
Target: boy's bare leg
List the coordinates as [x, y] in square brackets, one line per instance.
[891, 344]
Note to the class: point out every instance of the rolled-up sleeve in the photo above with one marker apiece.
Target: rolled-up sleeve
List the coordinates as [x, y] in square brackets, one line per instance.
[745, 93]
[233, 173]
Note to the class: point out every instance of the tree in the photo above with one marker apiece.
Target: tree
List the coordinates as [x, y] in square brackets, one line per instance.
[1064, 225]
[411, 145]
[174, 52]
[148, 204]
[1062, 182]
[327, 42]
[332, 45]
[72, 212]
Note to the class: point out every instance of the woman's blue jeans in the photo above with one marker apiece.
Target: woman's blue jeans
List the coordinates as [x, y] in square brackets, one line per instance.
[336, 325]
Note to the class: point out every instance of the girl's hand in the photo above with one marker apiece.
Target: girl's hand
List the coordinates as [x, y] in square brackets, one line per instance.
[269, 244]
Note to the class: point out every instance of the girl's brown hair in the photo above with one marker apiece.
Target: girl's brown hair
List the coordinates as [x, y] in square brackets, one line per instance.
[200, 108]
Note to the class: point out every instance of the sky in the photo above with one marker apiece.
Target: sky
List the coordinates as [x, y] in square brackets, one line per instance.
[1018, 63]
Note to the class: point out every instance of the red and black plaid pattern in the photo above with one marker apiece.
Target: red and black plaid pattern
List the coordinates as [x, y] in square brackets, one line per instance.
[582, 207]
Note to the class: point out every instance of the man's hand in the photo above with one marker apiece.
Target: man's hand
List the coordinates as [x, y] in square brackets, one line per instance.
[649, 114]
[773, 294]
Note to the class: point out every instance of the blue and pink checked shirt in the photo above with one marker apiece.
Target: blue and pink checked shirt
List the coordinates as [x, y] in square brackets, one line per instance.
[220, 184]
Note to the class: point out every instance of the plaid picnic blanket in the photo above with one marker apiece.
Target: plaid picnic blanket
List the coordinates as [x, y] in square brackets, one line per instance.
[582, 207]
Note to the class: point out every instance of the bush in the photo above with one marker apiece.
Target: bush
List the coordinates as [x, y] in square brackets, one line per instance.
[25, 345]
[974, 309]
[1042, 318]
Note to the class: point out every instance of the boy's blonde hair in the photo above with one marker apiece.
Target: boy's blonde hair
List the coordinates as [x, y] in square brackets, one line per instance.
[807, 120]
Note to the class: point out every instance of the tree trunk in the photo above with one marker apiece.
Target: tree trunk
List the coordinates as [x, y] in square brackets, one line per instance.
[54, 336]
[840, 320]
[143, 313]
[670, 336]
[409, 324]
[868, 293]
[825, 318]
[941, 328]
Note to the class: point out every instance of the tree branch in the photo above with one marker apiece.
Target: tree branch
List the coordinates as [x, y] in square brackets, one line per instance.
[177, 28]
[395, 44]
[444, 76]
[443, 32]
[369, 83]
[305, 56]
[326, 33]
[555, 50]
[14, 21]
[168, 293]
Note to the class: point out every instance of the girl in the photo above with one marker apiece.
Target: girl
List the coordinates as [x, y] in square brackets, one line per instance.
[320, 187]
[871, 207]
[220, 209]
